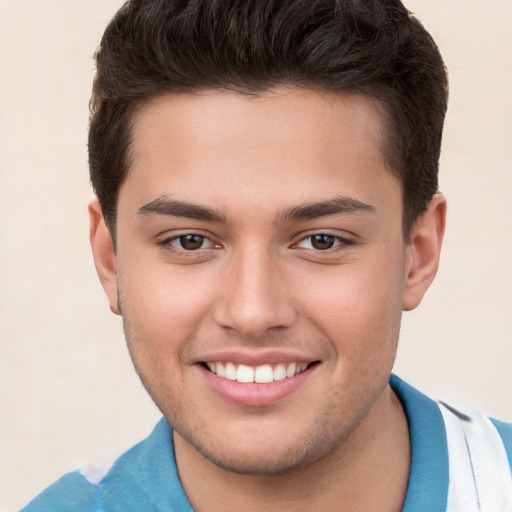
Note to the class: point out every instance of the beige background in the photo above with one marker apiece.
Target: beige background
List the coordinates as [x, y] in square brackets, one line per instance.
[68, 394]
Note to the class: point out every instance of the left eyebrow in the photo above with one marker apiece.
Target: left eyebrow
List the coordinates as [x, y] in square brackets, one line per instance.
[336, 206]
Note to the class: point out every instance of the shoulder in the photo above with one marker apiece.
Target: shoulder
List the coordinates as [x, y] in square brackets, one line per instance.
[71, 492]
[480, 459]
[505, 432]
[464, 456]
[138, 481]
[478, 429]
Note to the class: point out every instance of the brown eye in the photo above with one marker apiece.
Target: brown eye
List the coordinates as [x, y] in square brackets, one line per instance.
[322, 242]
[191, 242]
[319, 242]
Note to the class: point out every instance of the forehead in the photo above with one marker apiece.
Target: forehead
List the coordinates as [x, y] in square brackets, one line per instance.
[229, 143]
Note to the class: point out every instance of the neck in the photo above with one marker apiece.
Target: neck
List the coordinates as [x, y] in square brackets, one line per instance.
[368, 471]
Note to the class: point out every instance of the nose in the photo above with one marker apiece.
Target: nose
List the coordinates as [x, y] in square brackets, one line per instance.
[254, 298]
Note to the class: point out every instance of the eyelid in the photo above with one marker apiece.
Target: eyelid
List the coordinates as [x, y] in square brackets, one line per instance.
[165, 242]
[342, 241]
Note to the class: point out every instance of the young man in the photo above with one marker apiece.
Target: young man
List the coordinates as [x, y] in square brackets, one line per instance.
[266, 174]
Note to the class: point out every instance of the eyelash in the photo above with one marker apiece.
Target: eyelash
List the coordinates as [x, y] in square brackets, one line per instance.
[339, 241]
[167, 243]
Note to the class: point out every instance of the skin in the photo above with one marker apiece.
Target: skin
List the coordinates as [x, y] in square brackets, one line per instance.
[257, 284]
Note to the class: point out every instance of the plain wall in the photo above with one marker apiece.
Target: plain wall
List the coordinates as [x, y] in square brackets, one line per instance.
[68, 393]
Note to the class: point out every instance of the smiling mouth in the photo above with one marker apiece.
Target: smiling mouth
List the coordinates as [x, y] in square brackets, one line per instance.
[262, 374]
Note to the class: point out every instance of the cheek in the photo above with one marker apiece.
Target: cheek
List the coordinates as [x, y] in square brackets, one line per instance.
[359, 309]
[163, 305]
[162, 312]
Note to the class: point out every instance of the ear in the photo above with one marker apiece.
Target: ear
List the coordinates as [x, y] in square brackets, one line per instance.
[104, 254]
[423, 251]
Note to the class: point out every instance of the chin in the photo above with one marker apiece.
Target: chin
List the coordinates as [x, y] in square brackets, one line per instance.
[251, 455]
[261, 463]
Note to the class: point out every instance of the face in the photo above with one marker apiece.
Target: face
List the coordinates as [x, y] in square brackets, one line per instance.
[260, 271]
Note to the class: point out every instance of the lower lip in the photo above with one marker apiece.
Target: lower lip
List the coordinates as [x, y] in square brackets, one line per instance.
[253, 394]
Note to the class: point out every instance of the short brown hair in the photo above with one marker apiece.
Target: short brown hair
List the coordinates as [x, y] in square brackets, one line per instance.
[373, 47]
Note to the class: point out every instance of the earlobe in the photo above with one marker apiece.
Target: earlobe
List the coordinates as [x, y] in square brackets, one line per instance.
[104, 254]
[423, 252]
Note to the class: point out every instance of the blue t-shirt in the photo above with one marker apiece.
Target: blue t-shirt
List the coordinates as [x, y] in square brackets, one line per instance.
[145, 478]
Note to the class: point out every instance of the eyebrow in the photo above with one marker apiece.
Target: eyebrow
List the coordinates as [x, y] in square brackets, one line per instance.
[307, 211]
[165, 206]
[338, 205]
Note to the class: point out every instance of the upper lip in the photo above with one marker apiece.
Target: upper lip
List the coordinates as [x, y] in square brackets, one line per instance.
[255, 358]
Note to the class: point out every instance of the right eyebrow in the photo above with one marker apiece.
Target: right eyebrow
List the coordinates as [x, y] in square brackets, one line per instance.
[175, 208]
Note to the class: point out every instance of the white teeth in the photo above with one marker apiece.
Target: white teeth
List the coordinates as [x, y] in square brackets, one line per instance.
[244, 373]
[261, 374]
[220, 369]
[230, 371]
[290, 371]
[279, 372]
